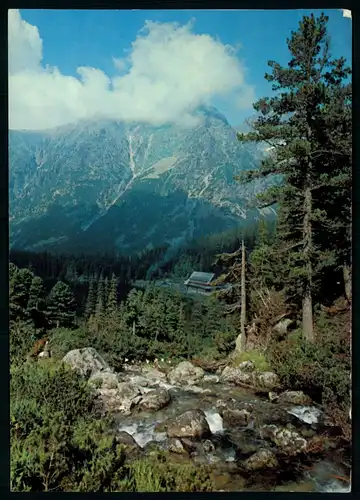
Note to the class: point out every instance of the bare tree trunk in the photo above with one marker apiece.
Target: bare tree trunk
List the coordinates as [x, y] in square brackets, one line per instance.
[347, 281]
[241, 340]
[307, 312]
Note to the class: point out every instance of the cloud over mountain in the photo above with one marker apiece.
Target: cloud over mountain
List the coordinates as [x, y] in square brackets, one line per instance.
[168, 72]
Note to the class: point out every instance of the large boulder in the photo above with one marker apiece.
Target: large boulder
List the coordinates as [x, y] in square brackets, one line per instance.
[155, 400]
[262, 459]
[191, 424]
[104, 380]
[267, 380]
[289, 442]
[120, 399]
[236, 418]
[86, 361]
[237, 376]
[152, 374]
[185, 373]
[294, 397]
[245, 375]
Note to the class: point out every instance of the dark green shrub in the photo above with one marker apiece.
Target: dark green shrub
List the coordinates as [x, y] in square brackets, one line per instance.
[63, 340]
[158, 474]
[52, 387]
[323, 367]
[22, 337]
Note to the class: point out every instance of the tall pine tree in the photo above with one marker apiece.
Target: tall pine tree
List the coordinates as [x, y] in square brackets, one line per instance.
[100, 298]
[112, 302]
[297, 125]
[62, 305]
[91, 299]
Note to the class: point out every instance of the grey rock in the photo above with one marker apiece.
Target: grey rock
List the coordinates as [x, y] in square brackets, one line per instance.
[208, 446]
[262, 459]
[247, 366]
[120, 399]
[191, 424]
[86, 361]
[155, 400]
[237, 376]
[185, 373]
[289, 442]
[294, 397]
[176, 446]
[267, 380]
[104, 380]
[236, 418]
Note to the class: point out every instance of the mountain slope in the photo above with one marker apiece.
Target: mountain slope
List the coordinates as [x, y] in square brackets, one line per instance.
[107, 185]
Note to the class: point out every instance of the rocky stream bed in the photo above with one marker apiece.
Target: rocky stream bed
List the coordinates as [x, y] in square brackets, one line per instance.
[253, 435]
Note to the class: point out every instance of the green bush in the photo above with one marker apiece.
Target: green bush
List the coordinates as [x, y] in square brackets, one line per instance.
[158, 474]
[64, 456]
[56, 442]
[224, 342]
[63, 340]
[323, 367]
[50, 386]
[22, 337]
[256, 356]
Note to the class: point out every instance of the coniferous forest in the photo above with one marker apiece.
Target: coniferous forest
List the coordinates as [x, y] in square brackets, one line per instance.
[287, 314]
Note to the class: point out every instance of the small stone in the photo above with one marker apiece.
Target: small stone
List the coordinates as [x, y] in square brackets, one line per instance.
[176, 446]
[208, 446]
[273, 396]
[267, 380]
[262, 459]
[247, 366]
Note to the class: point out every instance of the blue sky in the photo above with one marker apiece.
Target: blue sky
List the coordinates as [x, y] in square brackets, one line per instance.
[72, 39]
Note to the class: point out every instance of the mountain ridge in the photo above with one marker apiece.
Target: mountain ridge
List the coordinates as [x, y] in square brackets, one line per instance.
[71, 184]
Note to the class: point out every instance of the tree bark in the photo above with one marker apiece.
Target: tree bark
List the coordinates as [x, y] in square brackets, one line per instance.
[307, 312]
[242, 339]
[347, 281]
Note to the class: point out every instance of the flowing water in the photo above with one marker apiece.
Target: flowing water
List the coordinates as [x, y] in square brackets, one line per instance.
[323, 476]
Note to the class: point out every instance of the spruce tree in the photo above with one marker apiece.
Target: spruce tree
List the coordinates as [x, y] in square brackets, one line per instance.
[297, 125]
[100, 298]
[262, 262]
[91, 299]
[62, 305]
[106, 293]
[36, 306]
[19, 288]
[112, 302]
[36, 294]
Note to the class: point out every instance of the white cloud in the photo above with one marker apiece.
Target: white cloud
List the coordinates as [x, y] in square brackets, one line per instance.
[168, 72]
[347, 13]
